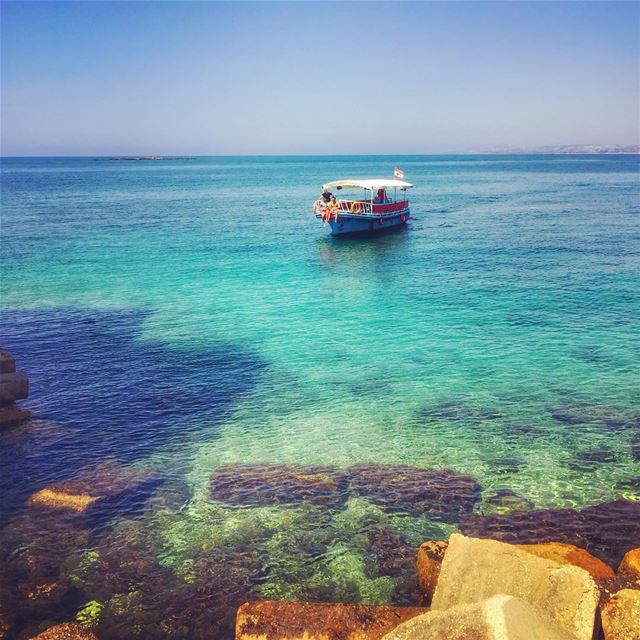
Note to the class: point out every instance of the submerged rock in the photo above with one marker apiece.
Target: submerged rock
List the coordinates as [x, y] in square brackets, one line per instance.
[66, 631]
[501, 617]
[12, 415]
[440, 494]
[635, 446]
[474, 570]
[394, 557]
[105, 486]
[504, 500]
[607, 530]
[591, 459]
[265, 620]
[13, 386]
[265, 484]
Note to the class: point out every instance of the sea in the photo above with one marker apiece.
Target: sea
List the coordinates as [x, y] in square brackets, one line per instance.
[184, 318]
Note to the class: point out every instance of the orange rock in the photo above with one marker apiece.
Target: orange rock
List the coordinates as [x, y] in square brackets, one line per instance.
[564, 553]
[631, 562]
[107, 482]
[275, 620]
[66, 631]
[430, 555]
[621, 616]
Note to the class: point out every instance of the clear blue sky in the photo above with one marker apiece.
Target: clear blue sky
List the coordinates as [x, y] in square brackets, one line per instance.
[103, 78]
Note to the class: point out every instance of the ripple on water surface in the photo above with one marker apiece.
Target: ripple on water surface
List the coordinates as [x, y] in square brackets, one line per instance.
[311, 408]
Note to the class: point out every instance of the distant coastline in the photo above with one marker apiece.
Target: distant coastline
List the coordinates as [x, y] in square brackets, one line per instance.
[581, 149]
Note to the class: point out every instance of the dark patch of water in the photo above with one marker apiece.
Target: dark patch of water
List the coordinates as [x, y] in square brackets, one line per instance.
[111, 393]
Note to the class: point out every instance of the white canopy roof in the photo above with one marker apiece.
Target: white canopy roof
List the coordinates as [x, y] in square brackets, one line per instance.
[373, 183]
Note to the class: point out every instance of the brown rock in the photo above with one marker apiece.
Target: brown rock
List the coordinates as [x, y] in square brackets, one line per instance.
[13, 386]
[430, 555]
[66, 631]
[11, 415]
[621, 616]
[277, 484]
[474, 570]
[106, 483]
[267, 620]
[498, 618]
[564, 553]
[7, 362]
[441, 494]
[7, 618]
[631, 562]
[606, 530]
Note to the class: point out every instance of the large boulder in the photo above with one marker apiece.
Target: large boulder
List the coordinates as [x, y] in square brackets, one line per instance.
[498, 618]
[13, 386]
[279, 620]
[430, 556]
[621, 616]
[474, 570]
[564, 553]
[631, 562]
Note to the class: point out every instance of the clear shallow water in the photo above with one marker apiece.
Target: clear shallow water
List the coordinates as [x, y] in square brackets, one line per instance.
[187, 314]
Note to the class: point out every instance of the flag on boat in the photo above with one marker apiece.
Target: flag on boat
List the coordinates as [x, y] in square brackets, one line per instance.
[398, 173]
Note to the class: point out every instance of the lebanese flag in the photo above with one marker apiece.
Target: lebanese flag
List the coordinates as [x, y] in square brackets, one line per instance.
[398, 173]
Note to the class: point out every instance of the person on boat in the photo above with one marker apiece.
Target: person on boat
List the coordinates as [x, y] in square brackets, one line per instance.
[327, 196]
[381, 198]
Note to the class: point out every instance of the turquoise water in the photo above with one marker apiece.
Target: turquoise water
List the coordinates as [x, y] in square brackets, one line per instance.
[185, 314]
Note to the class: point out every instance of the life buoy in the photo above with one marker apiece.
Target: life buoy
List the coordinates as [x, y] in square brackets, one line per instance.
[381, 220]
[403, 218]
[356, 207]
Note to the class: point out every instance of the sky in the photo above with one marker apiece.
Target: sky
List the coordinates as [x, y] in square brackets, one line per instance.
[232, 78]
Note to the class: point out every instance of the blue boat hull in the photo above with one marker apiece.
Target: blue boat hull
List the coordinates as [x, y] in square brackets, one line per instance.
[362, 225]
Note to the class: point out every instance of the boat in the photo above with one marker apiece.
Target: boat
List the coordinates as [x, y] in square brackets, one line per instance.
[383, 205]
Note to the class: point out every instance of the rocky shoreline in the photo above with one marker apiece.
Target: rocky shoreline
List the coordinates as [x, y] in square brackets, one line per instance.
[80, 554]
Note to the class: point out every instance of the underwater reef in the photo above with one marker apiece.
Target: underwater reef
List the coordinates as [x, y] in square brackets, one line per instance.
[607, 530]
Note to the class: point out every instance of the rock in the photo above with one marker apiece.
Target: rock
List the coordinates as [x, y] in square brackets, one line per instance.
[7, 362]
[498, 618]
[610, 586]
[606, 530]
[591, 459]
[438, 494]
[13, 386]
[265, 484]
[430, 555]
[106, 485]
[7, 618]
[279, 620]
[11, 415]
[66, 631]
[474, 570]
[621, 616]
[563, 553]
[504, 500]
[631, 562]
[391, 555]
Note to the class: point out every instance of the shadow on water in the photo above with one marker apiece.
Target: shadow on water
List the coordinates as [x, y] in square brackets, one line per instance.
[96, 392]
